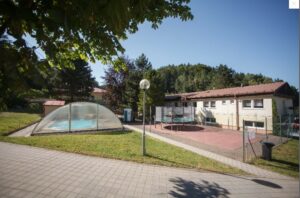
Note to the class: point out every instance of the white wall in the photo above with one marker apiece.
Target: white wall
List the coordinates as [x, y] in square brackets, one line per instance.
[225, 114]
[283, 105]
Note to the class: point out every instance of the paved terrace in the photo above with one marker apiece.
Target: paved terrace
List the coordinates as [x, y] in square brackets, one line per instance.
[226, 142]
[220, 158]
[34, 172]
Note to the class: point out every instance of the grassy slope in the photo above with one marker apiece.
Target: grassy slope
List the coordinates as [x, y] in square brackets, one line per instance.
[10, 121]
[285, 159]
[125, 146]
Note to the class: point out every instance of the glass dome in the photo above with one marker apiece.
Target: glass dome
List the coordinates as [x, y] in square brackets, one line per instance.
[78, 116]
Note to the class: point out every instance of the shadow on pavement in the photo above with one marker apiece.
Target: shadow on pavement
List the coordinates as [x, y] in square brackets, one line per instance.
[184, 188]
[266, 183]
[185, 128]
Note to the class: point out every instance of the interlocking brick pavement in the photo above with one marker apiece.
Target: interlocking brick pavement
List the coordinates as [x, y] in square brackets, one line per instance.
[35, 172]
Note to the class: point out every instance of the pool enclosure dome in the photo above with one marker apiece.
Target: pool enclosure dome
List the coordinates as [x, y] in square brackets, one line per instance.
[78, 116]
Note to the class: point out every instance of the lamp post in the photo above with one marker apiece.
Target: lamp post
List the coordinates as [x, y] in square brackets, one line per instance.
[144, 85]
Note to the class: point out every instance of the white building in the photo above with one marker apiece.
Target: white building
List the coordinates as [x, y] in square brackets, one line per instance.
[230, 107]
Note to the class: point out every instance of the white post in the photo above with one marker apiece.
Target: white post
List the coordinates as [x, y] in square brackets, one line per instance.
[244, 141]
[144, 85]
[70, 112]
[143, 139]
[97, 117]
[150, 117]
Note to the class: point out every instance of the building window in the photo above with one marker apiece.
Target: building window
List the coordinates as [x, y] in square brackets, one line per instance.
[212, 120]
[206, 104]
[259, 103]
[247, 103]
[195, 104]
[231, 101]
[223, 102]
[185, 104]
[254, 124]
[176, 104]
[213, 104]
[259, 124]
[248, 124]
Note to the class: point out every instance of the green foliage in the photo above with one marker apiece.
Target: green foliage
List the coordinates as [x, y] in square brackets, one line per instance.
[74, 83]
[154, 95]
[223, 77]
[19, 74]
[199, 77]
[77, 29]
[115, 85]
[125, 146]
[66, 31]
[275, 118]
[295, 99]
[127, 80]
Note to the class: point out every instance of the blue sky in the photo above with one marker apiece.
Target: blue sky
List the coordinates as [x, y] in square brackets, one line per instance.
[251, 36]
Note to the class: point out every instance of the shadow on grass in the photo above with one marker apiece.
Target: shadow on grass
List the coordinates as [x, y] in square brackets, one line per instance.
[166, 160]
[112, 132]
[183, 188]
[292, 164]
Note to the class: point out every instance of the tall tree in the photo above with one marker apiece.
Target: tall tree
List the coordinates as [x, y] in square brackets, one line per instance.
[223, 77]
[135, 75]
[142, 63]
[155, 95]
[75, 83]
[115, 85]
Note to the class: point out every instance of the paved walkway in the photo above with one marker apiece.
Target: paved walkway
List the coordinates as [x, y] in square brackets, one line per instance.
[26, 132]
[225, 160]
[34, 172]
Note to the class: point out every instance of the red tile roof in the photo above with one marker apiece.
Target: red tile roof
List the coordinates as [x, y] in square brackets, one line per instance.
[270, 88]
[98, 90]
[54, 103]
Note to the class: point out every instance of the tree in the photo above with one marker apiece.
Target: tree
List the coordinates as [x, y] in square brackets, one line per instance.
[19, 73]
[223, 77]
[135, 75]
[75, 83]
[115, 85]
[142, 63]
[155, 95]
[77, 29]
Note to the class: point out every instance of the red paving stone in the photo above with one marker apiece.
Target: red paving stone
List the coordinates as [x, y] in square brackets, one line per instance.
[213, 136]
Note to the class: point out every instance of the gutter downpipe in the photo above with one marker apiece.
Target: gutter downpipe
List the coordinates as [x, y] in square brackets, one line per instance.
[237, 113]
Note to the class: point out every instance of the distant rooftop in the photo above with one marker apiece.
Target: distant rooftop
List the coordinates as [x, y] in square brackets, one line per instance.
[98, 90]
[276, 88]
[54, 103]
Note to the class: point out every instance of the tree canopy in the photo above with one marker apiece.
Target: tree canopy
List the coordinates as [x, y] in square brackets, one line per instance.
[76, 83]
[89, 30]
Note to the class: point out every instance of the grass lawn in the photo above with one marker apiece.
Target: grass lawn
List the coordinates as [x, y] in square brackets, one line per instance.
[285, 159]
[10, 121]
[117, 145]
[125, 146]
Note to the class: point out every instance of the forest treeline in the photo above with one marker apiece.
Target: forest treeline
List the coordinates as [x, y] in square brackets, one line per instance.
[199, 77]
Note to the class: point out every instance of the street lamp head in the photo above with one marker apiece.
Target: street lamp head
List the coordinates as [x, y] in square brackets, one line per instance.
[144, 84]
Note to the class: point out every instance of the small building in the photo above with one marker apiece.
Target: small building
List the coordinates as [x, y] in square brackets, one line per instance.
[231, 107]
[51, 105]
[98, 94]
